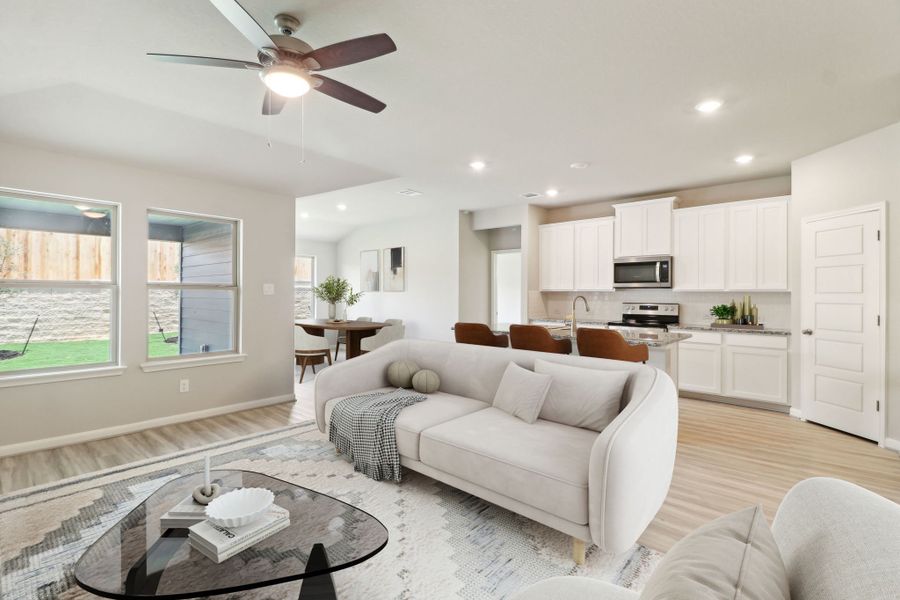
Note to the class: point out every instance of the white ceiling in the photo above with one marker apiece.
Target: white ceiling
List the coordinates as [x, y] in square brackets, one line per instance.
[527, 86]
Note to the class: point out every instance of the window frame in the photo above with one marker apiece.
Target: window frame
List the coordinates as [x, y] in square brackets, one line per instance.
[236, 285]
[314, 304]
[113, 285]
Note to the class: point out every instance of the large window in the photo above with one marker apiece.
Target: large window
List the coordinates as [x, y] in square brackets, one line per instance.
[58, 284]
[193, 285]
[304, 280]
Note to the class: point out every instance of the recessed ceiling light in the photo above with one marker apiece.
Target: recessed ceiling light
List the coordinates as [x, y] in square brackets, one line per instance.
[478, 165]
[304, 215]
[579, 165]
[409, 192]
[709, 106]
[743, 159]
[341, 207]
[552, 192]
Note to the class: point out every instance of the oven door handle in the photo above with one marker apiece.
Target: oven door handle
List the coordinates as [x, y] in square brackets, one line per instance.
[658, 265]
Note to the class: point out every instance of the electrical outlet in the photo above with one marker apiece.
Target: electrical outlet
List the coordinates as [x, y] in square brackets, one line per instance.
[184, 385]
[268, 289]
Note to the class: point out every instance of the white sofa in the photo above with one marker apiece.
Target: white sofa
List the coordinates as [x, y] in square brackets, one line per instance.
[838, 541]
[603, 488]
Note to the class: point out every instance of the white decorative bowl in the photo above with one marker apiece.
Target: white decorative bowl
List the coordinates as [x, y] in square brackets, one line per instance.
[239, 507]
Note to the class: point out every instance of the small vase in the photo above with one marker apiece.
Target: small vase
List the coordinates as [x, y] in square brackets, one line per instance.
[724, 321]
[332, 311]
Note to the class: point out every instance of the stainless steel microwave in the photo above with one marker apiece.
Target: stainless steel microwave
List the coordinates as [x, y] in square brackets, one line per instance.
[643, 272]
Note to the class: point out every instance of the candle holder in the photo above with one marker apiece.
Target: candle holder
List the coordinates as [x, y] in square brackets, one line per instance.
[207, 491]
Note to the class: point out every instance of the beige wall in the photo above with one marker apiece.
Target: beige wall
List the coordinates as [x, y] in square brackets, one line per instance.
[474, 272]
[40, 411]
[862, 171]
[728, 192]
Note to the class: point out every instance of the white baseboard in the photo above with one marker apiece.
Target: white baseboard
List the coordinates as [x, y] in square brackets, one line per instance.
[796, 413]
[107, 432]
[892, 444]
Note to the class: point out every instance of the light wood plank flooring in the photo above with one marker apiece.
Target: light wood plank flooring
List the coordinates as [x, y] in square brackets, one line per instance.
[729, 457]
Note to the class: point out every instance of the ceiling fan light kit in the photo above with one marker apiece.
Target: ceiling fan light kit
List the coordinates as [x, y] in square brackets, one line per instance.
[287, 64]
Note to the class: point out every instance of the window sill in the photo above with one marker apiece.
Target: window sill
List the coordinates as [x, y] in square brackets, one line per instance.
[57, 376]
[152, 366]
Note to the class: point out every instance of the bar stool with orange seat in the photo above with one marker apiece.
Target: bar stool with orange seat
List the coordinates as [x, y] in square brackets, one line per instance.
[607, 343]
[480, 335]
[535, 337]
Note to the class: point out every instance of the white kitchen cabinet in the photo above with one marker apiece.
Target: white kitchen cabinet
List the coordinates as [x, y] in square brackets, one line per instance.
[756, 368]
[594, 254]
[757, 245]
[699, 248]
[735, 365]
[644, 228]
[557, 257]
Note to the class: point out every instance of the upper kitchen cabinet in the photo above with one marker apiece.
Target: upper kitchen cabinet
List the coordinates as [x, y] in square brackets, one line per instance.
[644, 228]
[594, 254]
[699, 248]
[758, 244]
[557, 252]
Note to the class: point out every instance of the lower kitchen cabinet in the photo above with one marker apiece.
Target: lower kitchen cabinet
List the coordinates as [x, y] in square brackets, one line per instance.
[743, 366]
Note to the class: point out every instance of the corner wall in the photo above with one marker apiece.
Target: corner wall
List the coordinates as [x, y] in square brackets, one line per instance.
[864, 170]
[430, 305]
[39, 411]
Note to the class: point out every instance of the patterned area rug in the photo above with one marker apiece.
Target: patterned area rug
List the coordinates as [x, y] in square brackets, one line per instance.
[444, 543]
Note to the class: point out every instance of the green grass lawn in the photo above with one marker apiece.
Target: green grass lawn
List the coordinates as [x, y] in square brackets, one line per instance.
[41, 355]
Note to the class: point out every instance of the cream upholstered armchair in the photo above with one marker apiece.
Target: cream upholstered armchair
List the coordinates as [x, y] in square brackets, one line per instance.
[394, 331]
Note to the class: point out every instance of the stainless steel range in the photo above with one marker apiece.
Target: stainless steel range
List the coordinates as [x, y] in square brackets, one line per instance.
[646, 317]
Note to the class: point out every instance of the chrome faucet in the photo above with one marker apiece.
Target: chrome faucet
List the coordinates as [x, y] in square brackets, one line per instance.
[586, 308]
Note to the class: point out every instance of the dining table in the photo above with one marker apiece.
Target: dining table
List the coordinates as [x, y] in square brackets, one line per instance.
[354, 331]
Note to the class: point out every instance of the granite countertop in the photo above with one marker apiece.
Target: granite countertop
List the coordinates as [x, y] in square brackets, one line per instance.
[709, 327]
[654, 340]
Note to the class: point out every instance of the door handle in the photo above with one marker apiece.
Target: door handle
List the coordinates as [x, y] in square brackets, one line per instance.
[807, 332]
[657, 272]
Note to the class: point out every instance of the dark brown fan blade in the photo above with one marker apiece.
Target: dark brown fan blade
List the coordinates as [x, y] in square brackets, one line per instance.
[273, 103]
[351, 51]
[206, 61]
[345, 93]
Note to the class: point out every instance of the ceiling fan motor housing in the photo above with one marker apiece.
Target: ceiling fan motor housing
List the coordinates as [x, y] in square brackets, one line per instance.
[286, 24]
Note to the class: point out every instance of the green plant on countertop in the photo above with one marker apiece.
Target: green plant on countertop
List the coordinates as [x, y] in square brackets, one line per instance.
[332, 290]
[723, 311]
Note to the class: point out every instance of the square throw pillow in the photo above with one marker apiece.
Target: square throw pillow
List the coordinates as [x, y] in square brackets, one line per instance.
[734, 556]
[588, 398]
[522, 392]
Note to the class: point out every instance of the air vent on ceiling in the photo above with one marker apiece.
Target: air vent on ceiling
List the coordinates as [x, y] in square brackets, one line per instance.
[410, 193]
[531, 195]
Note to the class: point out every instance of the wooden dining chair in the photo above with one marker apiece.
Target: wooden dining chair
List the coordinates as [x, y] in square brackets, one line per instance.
[608, 343]
[535, 337]
[309, 350]
[480, 335]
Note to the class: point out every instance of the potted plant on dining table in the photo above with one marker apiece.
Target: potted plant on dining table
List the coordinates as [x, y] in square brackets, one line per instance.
[334, 290]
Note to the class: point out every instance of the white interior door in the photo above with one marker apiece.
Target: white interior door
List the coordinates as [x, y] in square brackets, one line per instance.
[506, 288]
[842, 353]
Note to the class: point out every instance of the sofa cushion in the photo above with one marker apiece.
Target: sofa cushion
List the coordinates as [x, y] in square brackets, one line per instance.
[438, 408]
[522, 392]
[582, 397]
[542, 464]
[734, 556]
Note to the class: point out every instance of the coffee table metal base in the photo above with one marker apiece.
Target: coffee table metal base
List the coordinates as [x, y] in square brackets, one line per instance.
[319, 587]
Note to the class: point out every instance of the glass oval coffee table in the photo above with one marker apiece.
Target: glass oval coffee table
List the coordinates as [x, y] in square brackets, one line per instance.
[138, 559]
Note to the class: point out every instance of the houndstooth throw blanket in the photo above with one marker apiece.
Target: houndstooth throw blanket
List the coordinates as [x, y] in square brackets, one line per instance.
[362, 427]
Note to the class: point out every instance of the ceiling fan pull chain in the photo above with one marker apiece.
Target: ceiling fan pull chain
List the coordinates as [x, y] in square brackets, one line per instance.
[269, 121]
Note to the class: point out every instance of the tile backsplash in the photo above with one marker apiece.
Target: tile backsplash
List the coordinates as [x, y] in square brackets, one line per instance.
[774, 307]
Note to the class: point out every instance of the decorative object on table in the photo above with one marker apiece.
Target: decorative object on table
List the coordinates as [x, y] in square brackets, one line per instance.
[332, 290]
[369, 271]
[219, 542]
[724, 313]
[209, 491]
[395, 269]
[184, 514]
[400, 373]
[754, 314]
[426, 382]
[351, 299]
[240, 507]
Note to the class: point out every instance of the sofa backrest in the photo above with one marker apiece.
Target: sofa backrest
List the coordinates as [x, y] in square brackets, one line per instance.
[839, 541]
[475, 371]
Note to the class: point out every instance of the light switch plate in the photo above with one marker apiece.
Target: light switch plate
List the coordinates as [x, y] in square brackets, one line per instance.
[268, 289]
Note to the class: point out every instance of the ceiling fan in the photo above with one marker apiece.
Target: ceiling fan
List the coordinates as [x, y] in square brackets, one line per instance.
[290, 67]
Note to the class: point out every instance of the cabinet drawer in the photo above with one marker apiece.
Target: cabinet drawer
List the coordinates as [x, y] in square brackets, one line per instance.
[701, 337]
[749, 340]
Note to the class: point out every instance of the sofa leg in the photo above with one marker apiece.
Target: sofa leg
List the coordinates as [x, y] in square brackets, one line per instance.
[578, 551]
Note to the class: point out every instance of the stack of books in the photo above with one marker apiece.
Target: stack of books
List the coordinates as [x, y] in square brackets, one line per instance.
[183, 515]
[221, 543]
